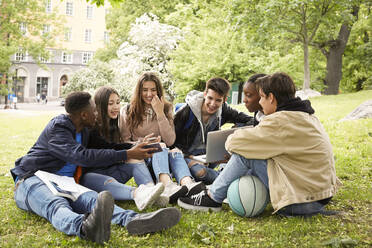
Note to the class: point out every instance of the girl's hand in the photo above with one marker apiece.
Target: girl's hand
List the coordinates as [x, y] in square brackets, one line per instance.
[158, 105]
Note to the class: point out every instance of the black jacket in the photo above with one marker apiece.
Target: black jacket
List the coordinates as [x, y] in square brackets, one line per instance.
[185, 136]
[57, 146]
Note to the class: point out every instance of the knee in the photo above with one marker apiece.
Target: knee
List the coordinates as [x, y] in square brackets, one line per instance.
[109, 180]
[201, 173]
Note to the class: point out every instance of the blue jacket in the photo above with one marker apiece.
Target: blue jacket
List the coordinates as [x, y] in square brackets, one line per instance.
[57, 146]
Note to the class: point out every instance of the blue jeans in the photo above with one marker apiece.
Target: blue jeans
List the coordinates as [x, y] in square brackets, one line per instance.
[65, 215]
[124, 172]
[239, 166]
[99, 182]
[210, 173]
[166, 162]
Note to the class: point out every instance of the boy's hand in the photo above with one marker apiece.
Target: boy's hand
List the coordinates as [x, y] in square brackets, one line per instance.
[138, 152]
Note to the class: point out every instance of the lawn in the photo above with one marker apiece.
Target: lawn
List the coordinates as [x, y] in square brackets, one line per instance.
[352, 145]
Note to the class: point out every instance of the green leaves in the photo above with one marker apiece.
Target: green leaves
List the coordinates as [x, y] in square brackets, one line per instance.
[340, 242]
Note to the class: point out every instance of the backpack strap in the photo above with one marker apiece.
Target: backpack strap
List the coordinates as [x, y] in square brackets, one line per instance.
[191, 115]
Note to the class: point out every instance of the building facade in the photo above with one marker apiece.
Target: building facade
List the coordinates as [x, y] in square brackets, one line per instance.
[84, 33]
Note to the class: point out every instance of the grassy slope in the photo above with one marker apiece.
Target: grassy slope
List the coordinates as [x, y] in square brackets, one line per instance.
[352, 144]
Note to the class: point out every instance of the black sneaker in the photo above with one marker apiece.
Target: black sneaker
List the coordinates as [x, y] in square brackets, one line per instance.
[154, 221]
[96, 225]
[174, 191]
[201, 202]
[195, 188]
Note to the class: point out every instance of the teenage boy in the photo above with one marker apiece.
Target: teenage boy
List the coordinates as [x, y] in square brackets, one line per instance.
[289, 151]
[204, 112]
[59, 149]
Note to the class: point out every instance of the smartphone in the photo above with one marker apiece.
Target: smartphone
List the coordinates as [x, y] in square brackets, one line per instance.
[154, 145]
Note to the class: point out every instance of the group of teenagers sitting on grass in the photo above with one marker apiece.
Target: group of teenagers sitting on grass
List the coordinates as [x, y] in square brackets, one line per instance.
[103, 145]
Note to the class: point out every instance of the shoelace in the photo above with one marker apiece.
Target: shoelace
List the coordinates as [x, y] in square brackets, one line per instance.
[198, 197]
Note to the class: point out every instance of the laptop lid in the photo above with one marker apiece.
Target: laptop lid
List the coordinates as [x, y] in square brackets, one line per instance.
[215, 146]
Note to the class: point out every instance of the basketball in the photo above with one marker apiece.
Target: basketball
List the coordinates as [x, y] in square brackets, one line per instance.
[247, 196]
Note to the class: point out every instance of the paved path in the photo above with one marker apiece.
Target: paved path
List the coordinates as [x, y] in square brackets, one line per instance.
[34, 108]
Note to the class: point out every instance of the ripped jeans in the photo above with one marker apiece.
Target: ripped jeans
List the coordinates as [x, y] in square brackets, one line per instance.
[206, 174]
[167, 162]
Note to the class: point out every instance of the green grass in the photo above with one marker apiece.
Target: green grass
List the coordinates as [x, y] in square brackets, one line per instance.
[352, 145]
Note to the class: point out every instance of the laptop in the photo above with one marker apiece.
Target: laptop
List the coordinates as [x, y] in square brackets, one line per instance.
[215, 146]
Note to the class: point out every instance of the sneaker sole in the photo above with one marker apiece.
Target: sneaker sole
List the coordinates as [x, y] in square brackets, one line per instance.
[155, 195]
[180, 193]
[162, 219]
[197, 208]
[104, 222]
[162, 201]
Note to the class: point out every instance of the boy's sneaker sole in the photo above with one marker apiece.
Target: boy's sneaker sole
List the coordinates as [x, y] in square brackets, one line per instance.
[154, 222]
[198, 208]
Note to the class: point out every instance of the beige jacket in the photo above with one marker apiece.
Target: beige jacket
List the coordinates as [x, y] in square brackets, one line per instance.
[163, 128]
[301, 167]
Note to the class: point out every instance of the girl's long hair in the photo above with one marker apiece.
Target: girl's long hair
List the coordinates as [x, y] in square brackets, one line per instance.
[136, 110]
[107, 127]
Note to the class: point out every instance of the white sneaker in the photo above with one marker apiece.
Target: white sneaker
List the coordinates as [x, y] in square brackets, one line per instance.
[146, 195]
[174, 191]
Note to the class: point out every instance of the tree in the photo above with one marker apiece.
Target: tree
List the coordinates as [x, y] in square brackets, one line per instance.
[313, 23]
[21, 30]
[121, 17]
[333, 49]
[220, 43]
[357, 69]
[147, 49]
[90, 78]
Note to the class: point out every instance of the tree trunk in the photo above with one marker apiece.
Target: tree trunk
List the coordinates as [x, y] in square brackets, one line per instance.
[334, 57]
[306, 84]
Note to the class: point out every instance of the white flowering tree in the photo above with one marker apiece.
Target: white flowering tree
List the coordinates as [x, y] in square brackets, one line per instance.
[90, 78]
[147, 49]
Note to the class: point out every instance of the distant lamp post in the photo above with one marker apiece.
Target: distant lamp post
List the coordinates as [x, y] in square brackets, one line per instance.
[15, 89]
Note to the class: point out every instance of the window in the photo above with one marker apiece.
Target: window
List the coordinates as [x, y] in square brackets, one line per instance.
[46, 60]
[46, 29]
[20, 56]
[68, 34]
[66, 58]
[106, 37]
[88, 36]
[89, 12]
[48, 6]
[23, 28]
[69, 8]
[87, 56]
